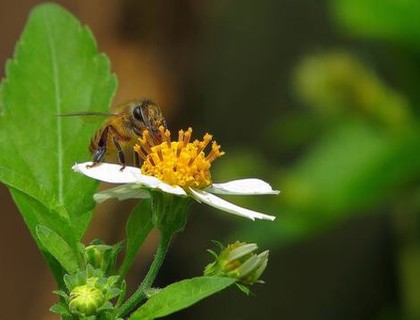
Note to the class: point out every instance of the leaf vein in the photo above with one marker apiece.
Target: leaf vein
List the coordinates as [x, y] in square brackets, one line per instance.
[57, 101]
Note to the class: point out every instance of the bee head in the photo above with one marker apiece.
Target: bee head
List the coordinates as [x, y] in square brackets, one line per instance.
[150, 117]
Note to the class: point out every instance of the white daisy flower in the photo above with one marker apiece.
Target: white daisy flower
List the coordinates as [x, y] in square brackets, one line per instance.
[180, 168]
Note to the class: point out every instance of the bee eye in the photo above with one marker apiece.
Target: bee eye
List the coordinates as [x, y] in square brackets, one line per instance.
[137, 114]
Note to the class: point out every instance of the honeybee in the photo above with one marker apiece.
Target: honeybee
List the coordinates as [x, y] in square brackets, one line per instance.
[123, 127]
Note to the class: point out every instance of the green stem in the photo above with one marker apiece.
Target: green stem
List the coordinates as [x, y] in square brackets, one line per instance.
[140, 294]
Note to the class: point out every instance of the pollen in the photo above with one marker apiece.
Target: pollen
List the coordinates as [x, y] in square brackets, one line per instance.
[181, 162]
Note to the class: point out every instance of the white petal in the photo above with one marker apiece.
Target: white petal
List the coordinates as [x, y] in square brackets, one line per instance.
[155, 183]
[112, 173]
[109, 172]
[214, 201]
[126, 191]
[243, 187]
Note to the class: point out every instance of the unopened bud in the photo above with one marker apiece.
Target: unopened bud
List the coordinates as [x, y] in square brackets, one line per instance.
[239, 261]
[88, 295]
[102, 256]
[85, 300]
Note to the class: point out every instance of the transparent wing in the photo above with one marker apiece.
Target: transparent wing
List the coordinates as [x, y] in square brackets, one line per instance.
[88, 116]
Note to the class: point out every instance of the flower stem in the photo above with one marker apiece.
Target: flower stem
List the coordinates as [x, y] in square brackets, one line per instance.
[140, 294]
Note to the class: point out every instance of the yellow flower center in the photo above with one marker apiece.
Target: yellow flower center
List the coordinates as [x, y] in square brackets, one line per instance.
[178, 163]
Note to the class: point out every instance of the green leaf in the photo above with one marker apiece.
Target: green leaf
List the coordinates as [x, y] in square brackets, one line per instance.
[56, 69]
[36, 213]
[58, 248]
[179, 296]
[380, 19]
[139, 225]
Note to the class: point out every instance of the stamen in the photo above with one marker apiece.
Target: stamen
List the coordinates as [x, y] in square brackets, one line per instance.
[166, 135]
[214, 153]
[159, 152]
[187, 136]
[182, 162]
[200, 146]
[180, 135]
[150, 160]
[140, 152]
[180, 142]
[149, 139]
[206, 140]
[168, 138]
[153, 159]
[144, 143]
[203, 144]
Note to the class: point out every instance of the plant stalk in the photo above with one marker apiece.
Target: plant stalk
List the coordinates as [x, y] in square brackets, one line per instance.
[140, 294]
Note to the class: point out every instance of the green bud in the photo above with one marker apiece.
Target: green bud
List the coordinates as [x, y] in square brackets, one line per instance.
[86, 300]
[89, 294]
[102, 256]
[238, 260]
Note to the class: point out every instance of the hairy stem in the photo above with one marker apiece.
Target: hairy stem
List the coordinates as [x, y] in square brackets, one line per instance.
[140, 294]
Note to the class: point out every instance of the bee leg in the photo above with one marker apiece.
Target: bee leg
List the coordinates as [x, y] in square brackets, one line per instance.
[121, 157]
[100, 152]
[137, 131]
[98, 156]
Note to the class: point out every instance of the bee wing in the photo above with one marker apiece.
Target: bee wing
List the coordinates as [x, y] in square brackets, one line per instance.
[88, 116]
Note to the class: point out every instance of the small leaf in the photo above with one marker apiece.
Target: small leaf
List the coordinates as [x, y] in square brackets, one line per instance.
[60, 309]
[58, 248]
[139, 225]
[179, 296]
[63, 295]
[123, 290]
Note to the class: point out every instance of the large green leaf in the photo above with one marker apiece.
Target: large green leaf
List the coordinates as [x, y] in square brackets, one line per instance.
[179, 296]
[56, 69]
[139, 225]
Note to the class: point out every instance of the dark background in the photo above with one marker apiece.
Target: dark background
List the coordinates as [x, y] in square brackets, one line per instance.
[295, 95]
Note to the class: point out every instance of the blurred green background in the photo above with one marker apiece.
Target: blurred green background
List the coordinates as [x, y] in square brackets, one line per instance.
[320, 98]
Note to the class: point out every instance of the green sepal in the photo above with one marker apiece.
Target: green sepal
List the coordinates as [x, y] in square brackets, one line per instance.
[60, 308]
[169, 212]
[61, 294]
[123, 288]
[244, 288]
[102, 256]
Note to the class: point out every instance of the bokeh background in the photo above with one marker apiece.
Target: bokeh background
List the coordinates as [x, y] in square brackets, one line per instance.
[318, 97]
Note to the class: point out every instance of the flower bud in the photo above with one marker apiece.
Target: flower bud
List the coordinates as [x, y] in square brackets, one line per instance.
[88, 293]
[239, 261]
[86, 300]
[102, 256]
